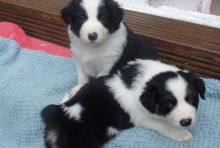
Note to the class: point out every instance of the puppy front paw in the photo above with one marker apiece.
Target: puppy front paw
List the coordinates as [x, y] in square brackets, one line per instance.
[73, 91]
[180, 135]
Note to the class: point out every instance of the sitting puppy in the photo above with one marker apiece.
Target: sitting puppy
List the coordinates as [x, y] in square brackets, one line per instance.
[100, 41]
[145, 93]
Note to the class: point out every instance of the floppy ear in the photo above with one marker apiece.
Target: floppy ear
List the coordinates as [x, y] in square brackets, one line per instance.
[200, 86]
[198, 82]
[116, 12]
[65, 14]
[148, 98]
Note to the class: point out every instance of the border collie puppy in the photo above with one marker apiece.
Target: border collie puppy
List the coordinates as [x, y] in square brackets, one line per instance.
[146, 93]
[100, 41]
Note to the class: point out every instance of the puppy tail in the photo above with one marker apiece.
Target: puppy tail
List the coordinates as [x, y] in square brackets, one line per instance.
[51, 114]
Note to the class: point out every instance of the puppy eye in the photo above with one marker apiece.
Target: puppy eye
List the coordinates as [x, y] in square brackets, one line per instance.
[191, 99]
[104, 17]
[170, 103]
[82, 17]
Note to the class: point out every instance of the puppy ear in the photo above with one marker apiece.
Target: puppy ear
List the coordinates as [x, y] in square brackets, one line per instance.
[116, 12]
[148, 98]
[198, 82]
[200, 86]
[65, 14]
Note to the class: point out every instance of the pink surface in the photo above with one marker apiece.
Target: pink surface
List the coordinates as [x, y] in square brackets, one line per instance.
[13, 31]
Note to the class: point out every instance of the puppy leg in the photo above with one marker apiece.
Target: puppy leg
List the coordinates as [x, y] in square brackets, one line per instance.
[82, 80]
[73, 91]
[167, 130]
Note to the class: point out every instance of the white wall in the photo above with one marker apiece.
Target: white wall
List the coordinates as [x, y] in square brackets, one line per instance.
[174, 13]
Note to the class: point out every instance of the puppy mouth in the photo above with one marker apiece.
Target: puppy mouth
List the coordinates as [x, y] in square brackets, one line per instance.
[93, 43]
[89, 42]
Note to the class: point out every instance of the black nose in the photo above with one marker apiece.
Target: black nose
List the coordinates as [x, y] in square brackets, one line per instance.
[186, 122]
[93, 36]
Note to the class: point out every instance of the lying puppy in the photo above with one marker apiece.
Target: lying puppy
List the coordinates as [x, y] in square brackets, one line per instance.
[100, 41]
[145, 93]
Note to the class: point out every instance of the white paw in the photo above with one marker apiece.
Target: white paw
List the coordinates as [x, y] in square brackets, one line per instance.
[181, 135]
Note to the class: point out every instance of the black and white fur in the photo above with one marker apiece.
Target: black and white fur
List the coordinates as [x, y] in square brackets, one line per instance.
[100, 41]
[145, 93]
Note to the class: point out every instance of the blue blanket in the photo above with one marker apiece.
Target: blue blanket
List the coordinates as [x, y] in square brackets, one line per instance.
[30, 80]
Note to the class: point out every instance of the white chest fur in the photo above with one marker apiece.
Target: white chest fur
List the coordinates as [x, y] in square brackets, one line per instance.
[97, 60]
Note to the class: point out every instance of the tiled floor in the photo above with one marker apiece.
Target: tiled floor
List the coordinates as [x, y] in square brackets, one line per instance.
[215, 8]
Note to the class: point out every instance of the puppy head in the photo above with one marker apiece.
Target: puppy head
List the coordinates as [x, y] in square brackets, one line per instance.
[174, 97]
[93, 22]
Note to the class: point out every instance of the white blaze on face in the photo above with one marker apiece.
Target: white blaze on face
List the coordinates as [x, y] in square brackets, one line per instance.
[183, 110]
[92, 24]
